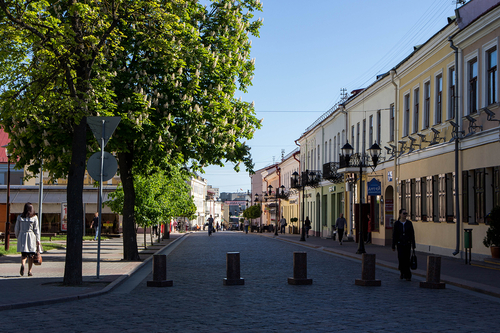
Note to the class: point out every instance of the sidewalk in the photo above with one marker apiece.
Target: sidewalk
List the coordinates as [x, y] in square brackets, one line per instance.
[480, 276]
[45, 286]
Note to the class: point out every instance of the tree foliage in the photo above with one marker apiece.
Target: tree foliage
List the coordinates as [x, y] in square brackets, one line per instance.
[159, 198]
[169, 68]
[252, 212]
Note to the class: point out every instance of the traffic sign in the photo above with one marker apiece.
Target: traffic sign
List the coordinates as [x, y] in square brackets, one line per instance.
[109, 166]
[110, 123]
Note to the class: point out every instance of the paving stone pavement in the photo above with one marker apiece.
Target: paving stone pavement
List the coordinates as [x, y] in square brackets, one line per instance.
[198, 301]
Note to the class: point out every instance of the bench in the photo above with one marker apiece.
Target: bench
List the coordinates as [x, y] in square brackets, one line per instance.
[43, 234]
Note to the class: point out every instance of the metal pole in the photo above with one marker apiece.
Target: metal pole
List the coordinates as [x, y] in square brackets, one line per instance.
[303, 231]
[40, 196]
[361, 244]
[7, 223]
[100, 200]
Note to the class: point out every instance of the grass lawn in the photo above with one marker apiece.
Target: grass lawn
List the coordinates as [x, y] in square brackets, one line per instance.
[46, 244]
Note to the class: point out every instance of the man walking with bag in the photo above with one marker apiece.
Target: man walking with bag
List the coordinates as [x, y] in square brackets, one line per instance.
[341, 224]
[403, 236]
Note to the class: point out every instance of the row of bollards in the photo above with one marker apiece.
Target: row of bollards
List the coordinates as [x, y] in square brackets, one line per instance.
[233, 277]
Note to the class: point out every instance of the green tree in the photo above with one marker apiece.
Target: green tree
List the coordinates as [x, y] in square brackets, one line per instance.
[252, 212]
[169, 68]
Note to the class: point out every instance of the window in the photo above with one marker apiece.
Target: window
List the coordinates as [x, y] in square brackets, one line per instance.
[451, 95]
[326, 151]
[429, 202]
[442, 198]
[427, 104]
[363, 147]
[492, 75]
[370, 134]
[379, 126]
[391, 123]
[472, 65]
[332, 150]
[439, 99]
[357, 137]
[416, 98]
[465, 196]
[423, 198]
[479, 199]
[352, 136]
[435, 198]
[319, 160]
[406, 117]
[418, 199]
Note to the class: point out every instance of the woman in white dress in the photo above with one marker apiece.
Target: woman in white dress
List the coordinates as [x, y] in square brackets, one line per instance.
[28, 236]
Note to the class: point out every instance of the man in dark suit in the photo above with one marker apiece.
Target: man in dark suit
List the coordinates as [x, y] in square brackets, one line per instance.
[403, 236]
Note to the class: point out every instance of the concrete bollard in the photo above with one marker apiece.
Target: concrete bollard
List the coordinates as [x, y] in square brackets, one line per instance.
[368, 271]
[233, 270]
[160, 272]
[300, 270]
[433, 274]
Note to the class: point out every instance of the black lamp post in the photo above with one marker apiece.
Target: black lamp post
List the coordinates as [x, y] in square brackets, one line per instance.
[260, 218]
[347, 152]
[7, 223]
[309, 176]
[277, 197]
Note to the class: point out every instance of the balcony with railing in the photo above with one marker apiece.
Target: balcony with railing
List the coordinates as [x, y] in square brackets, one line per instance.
[330, 172]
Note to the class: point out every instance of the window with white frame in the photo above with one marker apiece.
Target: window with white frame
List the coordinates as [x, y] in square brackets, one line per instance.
[357, 137]
[370, 131]
[451, 92]
[472, 86]
[491, 75]
[406, 116]
[363, 147]
[427, 104]
[416, 109]
[352, 136]
[379, 126]
[439, 99]
[391, 123]
[334, 149]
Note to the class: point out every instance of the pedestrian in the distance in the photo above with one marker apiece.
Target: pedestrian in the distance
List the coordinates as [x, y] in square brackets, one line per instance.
[210, 224]
[95, 224]
[308, 226]
[246, 224]
[341, 225]
[369, 230]
[283, 224]
[28, 236]
[403, 236]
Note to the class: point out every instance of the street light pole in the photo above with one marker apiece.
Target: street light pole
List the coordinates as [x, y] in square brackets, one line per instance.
[374, 151]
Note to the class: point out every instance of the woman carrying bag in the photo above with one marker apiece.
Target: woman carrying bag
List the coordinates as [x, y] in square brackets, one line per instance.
[28, 236]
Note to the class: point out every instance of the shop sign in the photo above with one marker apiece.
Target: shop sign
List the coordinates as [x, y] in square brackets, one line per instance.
[374, 187]
[64, 216]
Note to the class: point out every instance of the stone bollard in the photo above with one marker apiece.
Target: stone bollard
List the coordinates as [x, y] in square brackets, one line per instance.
[300, 270]
[233, 270]
[433, 274]
[160, 272]
[368, 271]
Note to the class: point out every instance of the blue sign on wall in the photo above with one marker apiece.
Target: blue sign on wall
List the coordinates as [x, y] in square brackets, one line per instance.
[374, 187]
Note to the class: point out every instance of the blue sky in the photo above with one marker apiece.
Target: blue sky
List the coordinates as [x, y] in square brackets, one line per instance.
[308, 51]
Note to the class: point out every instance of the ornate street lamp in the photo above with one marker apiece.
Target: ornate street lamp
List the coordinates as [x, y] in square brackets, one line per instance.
[347, 153]
[308, 181]
[260, 218]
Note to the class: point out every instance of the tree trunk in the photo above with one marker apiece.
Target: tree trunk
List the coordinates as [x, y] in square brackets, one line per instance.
[130, 251]
[74, 193]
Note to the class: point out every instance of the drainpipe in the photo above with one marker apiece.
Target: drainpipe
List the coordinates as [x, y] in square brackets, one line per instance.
[457, 199]
[396, 143]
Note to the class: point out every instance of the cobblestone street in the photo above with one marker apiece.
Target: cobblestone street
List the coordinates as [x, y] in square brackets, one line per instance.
[198, 301]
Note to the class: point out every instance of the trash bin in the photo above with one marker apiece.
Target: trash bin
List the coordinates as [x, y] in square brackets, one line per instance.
[468, 238]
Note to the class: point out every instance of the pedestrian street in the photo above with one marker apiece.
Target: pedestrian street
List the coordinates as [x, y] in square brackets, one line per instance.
[198, 301]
